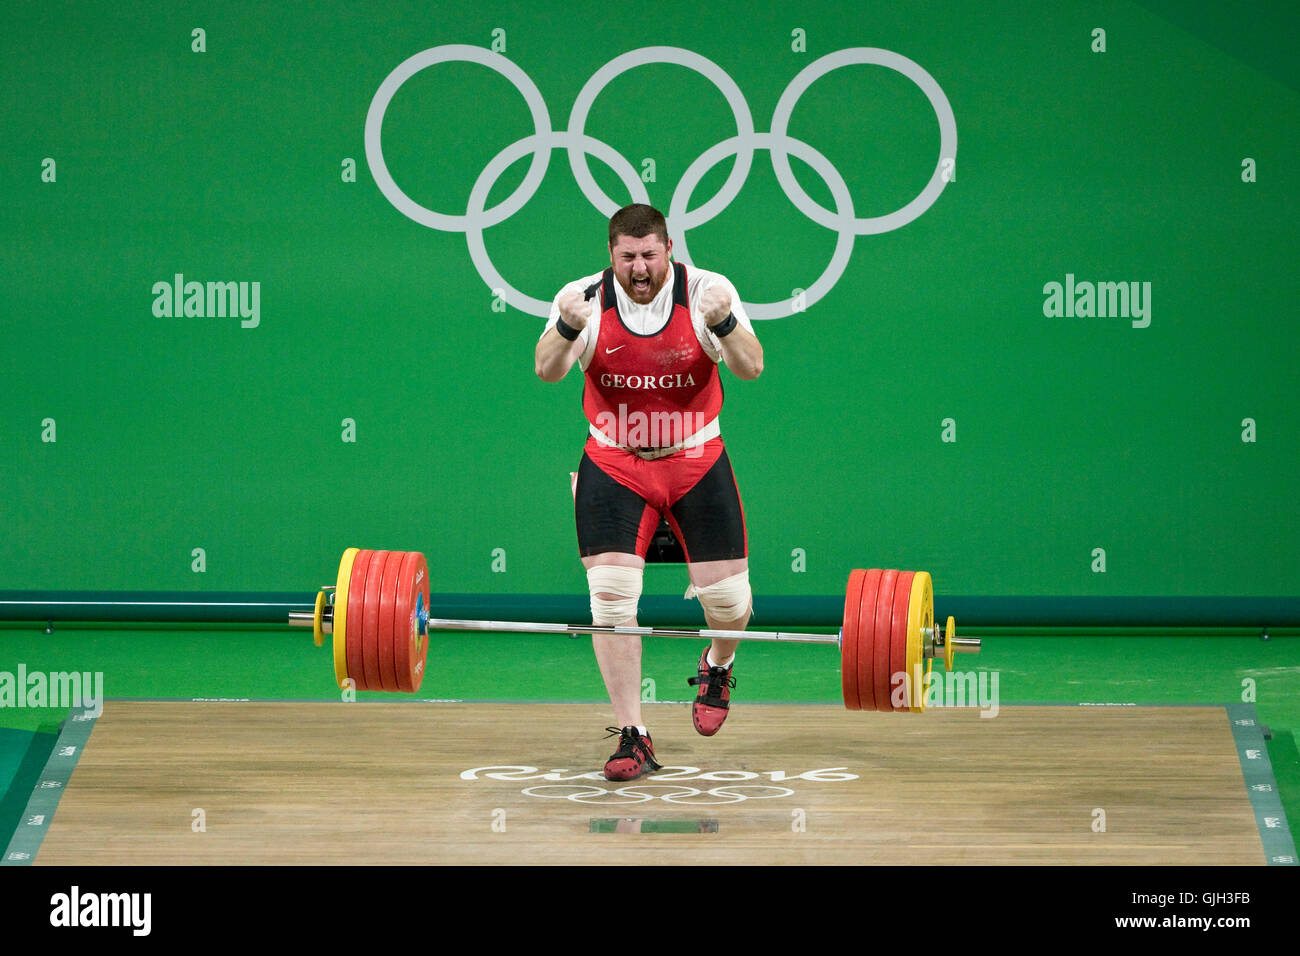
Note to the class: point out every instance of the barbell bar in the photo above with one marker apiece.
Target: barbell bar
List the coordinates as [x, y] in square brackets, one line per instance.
[377, 614]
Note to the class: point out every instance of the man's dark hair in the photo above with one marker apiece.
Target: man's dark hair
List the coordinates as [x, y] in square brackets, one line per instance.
[638, 221]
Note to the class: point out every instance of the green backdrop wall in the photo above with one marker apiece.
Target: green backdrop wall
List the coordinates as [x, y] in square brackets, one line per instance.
[383, 393]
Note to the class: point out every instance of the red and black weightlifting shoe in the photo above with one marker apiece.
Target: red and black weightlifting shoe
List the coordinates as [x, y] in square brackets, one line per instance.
[714, 698]
[635, 755]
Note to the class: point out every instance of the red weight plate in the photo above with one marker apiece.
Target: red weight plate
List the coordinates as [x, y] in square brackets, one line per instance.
[898, 637]
[388, 588]
[370, 634]
[849, 641]
[410, 647]
[356, 624]
[402, 615]
[866, 641]
[880, 638]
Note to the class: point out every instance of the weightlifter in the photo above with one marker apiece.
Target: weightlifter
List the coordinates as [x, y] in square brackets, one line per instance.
[648, 334]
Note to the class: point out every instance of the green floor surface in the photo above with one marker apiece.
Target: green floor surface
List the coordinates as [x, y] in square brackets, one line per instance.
[22, 757]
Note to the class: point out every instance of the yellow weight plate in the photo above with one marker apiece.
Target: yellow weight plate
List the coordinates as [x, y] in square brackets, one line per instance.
[317, 634]
[341, 616]
[920, 615]
[949, 648]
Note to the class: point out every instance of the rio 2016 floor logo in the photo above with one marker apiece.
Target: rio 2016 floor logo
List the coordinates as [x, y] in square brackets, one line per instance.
[737, 785]
[681, 219]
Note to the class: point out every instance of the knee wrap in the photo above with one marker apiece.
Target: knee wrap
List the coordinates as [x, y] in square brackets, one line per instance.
[727, 600]
[614, 579]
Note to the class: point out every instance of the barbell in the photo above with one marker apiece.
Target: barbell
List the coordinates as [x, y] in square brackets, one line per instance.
[378, 616]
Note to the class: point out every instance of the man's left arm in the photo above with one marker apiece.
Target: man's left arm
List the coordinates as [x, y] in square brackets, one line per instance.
[741, 349]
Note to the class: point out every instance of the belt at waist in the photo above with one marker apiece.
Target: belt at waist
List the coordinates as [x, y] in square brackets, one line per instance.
[707, 433]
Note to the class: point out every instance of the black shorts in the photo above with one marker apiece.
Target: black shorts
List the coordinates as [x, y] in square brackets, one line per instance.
[708, 520]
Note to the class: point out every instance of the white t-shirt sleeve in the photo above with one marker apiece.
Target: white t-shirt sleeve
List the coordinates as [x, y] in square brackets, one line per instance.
[587, 335]
[700, 281]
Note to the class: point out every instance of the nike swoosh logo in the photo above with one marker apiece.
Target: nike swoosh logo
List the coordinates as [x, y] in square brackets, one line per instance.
[614, 349]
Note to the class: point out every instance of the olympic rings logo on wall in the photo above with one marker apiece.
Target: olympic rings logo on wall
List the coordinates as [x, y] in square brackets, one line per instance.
[681, 219]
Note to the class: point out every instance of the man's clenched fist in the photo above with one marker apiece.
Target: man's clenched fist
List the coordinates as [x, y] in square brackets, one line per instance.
[575, 309]
[715, 304]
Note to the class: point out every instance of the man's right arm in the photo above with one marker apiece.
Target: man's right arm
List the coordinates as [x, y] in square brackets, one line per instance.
[555, 354]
